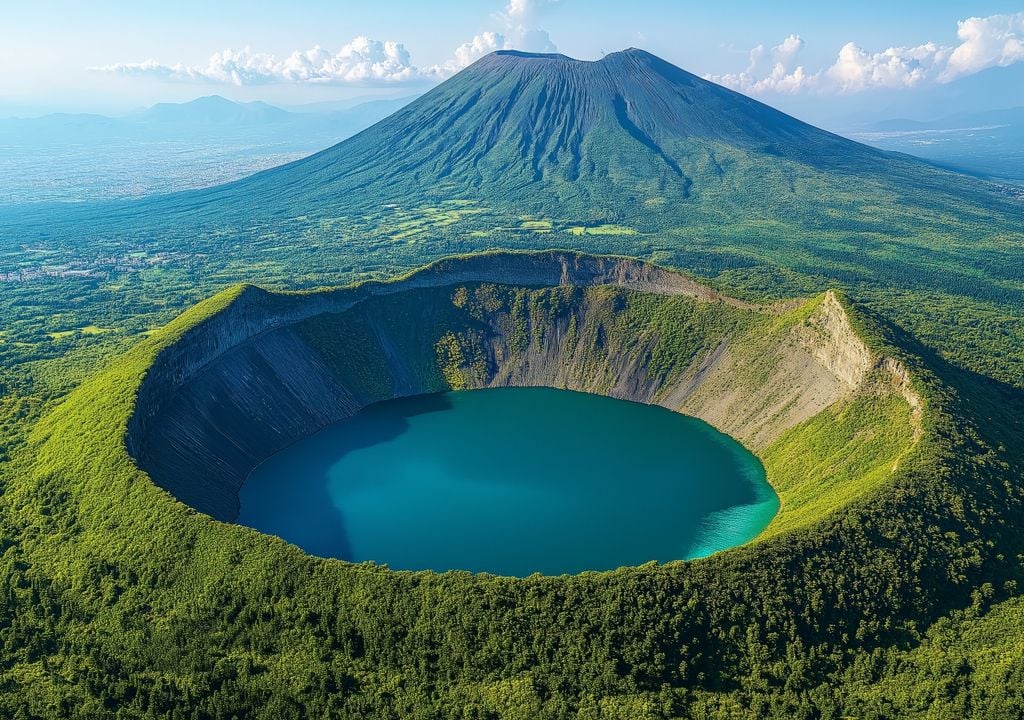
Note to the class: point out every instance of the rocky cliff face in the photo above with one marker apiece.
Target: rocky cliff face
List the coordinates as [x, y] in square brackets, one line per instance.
[757, 392]
[271, 369]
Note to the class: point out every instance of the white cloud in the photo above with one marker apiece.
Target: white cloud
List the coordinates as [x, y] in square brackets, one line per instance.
[519, 32]
[771, 70]
[361, 62]
[521, 26]
[534, 40]
[469, 52]
[984, 42]
[856, 69]
[526, 11]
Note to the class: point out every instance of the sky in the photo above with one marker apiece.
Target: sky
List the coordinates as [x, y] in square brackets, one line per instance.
[112, 56]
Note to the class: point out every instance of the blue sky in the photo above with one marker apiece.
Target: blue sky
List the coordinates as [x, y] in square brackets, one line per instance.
[111, 55]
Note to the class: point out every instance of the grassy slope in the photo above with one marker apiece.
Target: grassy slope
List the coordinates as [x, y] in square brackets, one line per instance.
[135, 600]
[836, 458]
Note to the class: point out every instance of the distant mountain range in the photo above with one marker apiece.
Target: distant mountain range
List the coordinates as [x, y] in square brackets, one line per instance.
[989, 143]
[215, 110]
[959, 121]
[992, 89]
[166, 147]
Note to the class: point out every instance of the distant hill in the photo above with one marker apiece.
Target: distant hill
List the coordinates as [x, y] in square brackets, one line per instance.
[956, 121]
[989, 143]
[992, 89]
[167, 147]
[215, 109]
[213, 112]
[364, 101]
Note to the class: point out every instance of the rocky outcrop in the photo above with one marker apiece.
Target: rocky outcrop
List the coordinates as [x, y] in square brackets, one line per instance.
[781, 380]
[830, 339]
[248, 381]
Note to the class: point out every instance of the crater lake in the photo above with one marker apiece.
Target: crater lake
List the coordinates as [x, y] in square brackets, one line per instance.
[511, 481]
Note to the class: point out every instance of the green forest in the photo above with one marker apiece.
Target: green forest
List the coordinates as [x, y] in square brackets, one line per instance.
[123, 602]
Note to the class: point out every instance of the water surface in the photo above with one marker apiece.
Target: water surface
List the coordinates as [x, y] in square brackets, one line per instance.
[511, 481]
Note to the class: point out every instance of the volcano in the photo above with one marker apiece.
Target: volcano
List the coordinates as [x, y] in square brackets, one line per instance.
[544, 128]
[627, 138]
[514, 119]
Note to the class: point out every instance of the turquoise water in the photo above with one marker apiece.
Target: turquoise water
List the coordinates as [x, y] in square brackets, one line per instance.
[511, 481]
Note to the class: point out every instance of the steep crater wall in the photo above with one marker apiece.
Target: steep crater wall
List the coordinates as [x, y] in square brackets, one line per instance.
[270, 369]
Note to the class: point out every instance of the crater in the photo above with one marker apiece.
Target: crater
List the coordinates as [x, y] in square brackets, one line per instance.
[252, 373]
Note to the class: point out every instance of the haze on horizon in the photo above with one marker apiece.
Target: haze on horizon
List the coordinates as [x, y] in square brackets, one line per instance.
[869, 58]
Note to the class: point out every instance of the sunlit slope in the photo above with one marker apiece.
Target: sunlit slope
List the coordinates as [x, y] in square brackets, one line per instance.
[629, 136]
[630, 122]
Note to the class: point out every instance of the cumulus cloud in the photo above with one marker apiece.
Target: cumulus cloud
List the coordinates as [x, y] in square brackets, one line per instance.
[900, 67]
[775, 69]
[519, 32]
[468, 53]
[521, 20]
[363, 61]
[526, 11]
[997, 40]
[984, 43]
[534, 40]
